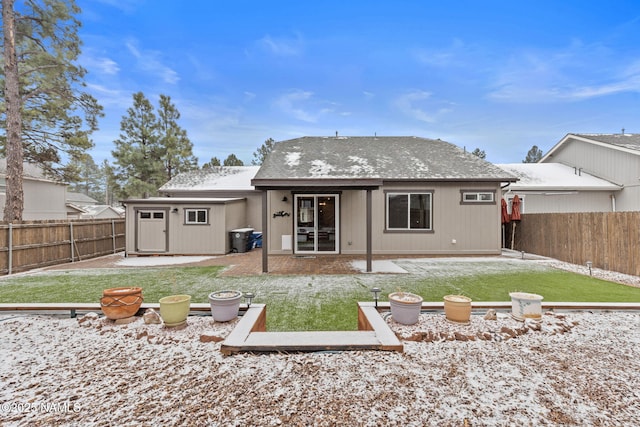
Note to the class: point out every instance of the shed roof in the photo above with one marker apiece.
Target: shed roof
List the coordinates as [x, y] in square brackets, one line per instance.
[237, 178]
[372, 159]
[554, 177]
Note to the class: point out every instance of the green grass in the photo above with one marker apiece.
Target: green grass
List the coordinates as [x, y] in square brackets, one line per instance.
[298, 303]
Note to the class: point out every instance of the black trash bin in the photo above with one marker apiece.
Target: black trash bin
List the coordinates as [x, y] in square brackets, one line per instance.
[240, 239]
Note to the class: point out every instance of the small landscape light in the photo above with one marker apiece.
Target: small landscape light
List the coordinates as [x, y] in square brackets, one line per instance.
[248, 296]
[589, 265]
[522, 253]
[376, 294]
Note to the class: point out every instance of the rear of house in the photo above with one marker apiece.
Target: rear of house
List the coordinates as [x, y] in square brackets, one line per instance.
[379, 195]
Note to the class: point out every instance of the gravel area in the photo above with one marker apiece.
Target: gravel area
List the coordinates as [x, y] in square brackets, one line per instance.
[577, 368]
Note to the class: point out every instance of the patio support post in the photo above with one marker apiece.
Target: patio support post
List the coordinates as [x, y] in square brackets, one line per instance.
[369, 243]
[265, 233]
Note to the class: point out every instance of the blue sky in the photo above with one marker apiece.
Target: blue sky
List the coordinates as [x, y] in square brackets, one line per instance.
[501, 76]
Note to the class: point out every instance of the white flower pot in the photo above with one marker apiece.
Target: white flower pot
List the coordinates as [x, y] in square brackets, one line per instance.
[526, 306]
[405, 307]
[225, 305]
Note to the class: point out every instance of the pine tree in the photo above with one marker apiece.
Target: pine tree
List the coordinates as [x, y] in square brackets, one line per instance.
[47, 116]
[178, 156]
[138, 154]
[534, 155]
[151, 149]
[480, 153]
[232, 160]
[262, 152]
[211, 164]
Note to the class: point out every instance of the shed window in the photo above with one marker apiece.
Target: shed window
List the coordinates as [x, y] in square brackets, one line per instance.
[478, 197]
[196, 216]
[409, 211]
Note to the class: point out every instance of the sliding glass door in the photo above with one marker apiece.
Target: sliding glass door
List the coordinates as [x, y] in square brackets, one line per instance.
[316, 223]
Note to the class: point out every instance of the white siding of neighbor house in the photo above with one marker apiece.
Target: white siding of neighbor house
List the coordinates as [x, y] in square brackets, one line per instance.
[475, 228]
[42, 200]
[587, 201]
[620, 167]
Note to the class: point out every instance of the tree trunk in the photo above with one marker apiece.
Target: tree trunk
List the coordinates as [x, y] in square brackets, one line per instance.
[14, 203]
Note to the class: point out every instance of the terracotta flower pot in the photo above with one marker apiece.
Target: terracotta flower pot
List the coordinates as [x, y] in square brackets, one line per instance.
[174, 309]
[526, 306]
[225, 305]
[120, 303]
[457, 308]
[405, 307]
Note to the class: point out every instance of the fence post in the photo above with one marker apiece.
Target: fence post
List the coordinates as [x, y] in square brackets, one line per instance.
[10, 254]
[71, 239]
[113, 234]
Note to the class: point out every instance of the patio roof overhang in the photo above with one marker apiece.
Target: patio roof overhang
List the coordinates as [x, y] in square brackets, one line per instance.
[314, 183]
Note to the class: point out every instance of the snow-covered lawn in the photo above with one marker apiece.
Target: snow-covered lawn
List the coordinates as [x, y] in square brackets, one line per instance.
[575, 368]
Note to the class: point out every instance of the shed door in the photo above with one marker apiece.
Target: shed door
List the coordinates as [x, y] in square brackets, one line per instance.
[152, 231]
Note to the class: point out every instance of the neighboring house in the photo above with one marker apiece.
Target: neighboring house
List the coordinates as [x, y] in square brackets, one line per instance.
[44, 198]
[80, 199]
[332, 195]
[611, 157]
[198, 211]
[101, 212]
[554, 187]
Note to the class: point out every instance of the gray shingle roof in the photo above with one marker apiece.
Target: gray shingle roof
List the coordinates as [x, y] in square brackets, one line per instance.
[215, 178]
[386, 158]
[625, 140]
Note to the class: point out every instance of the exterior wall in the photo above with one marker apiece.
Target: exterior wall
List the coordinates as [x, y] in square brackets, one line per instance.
[191, 239]
[608, 163]
[590, 201]
[281, 225]
[42, 200]
[457, 228]
[475, 228]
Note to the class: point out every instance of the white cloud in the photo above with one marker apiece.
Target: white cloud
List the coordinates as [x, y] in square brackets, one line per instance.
[150, 62]
[413, 105]
[282, 46]
[575, 73]
[302, 106]
[100, 65]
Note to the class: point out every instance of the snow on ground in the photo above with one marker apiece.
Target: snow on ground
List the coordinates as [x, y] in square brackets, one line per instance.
[574, 368]
[159, 260]
[378, 266]
[578, 370]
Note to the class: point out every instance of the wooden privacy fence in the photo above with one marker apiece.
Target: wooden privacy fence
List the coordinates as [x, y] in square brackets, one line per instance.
[34, 244]
[610, 240]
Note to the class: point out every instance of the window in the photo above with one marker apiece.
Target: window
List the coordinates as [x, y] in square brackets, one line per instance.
[196, 216]
[478, 196]
[409, 211]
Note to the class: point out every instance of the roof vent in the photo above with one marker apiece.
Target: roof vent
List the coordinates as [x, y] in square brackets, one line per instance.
[336, 134]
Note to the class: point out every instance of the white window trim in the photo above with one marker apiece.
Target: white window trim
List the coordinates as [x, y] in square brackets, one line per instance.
[196, 210]
[478, 195]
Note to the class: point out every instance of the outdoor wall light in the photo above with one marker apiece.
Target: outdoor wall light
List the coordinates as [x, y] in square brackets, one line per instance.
[248, 296]
[589, 265]
[284, 199]
[376, 294]
[174, 210]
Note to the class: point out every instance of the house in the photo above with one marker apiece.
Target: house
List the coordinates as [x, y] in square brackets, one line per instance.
[611, 157]
[44, 198]
[378, 195]
[332, 195]
[196, 213]
[554, 187]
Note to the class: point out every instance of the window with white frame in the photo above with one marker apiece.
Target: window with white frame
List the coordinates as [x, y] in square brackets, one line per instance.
[478, 196]
[409, 211]
[196, 216]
